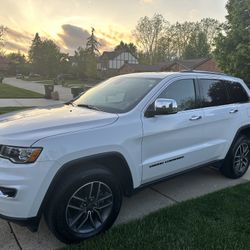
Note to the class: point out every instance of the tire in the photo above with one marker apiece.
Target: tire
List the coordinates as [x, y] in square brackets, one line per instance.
[84, 204]
[237, 160]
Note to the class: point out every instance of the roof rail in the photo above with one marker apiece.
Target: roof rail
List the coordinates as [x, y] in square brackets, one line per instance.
[204, 72]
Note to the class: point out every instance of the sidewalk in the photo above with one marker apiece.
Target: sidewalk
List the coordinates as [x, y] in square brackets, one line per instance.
[27, 102]
[64, 93]
[184, 187]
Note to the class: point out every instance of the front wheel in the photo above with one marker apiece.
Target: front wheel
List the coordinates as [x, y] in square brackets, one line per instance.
[237, 161]
[87, 203]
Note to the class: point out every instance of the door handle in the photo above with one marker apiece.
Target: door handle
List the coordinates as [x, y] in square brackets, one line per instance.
[233, 111]
[195, 118]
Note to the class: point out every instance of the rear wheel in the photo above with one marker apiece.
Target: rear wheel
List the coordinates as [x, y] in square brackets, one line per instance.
[237, 161]
[85, 205]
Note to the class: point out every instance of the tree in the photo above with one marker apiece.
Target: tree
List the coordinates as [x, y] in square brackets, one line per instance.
[127, 47]
[18, 64]
[2, 32]
[211, 27]
[147, 32]
[85, 64]
[197, 47]
[50, 58]
[45, 57]
[35, 54]
[233, 44]
[92, 44]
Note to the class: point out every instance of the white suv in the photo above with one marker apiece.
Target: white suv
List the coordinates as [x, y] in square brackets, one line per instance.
[73, 163]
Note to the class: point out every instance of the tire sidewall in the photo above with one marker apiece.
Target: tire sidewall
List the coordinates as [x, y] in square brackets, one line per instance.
[229, 163]
[66, 190]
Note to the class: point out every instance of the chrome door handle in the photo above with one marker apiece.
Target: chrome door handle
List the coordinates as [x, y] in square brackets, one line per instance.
[233, 111]
[195, 118]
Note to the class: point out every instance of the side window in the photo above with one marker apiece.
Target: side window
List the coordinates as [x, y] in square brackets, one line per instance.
[237, 93]
[183, 92]
[213, 92]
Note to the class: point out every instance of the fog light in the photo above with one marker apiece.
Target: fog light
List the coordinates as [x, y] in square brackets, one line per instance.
[7, 192]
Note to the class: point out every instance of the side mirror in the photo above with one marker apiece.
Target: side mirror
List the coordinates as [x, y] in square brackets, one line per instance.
[162, 106]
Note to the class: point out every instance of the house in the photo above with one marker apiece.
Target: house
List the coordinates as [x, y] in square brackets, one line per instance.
[204, 64]
[113, 61]
[4, 64]
[132, 68]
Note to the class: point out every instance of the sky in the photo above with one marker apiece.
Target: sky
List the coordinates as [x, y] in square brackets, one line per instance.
[69, 22]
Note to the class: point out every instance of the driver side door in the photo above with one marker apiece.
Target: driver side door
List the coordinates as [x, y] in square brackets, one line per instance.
[173, 143]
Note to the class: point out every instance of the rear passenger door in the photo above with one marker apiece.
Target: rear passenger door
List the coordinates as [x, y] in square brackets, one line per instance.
[220, 106]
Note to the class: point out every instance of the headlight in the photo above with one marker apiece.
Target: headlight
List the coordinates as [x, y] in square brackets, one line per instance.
[20, 154]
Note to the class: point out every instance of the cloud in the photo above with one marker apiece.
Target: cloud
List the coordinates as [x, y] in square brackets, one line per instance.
[14, 47]
[16, 40]
[73, 37]
[18, 36]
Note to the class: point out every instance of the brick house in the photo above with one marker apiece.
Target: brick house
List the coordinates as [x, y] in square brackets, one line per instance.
[203, 64]
[206, 64]
[132, 68]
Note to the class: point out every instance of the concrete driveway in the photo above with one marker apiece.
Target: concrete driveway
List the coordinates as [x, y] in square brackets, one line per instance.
[184, 187]
[64, 93]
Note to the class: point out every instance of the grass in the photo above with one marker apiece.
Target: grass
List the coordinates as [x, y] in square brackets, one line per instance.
[8, 91]
[4, 110]
[220, 220]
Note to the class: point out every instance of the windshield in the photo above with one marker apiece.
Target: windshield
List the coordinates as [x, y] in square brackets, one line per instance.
[118, 94]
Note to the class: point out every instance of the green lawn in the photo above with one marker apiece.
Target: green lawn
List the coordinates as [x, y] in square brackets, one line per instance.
[219, 220]
[4, 110]
[8, 91]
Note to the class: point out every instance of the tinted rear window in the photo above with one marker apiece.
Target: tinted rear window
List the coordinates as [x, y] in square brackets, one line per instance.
[213, 92]
[237, 93]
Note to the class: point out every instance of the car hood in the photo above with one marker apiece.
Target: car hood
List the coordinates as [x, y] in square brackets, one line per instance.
[26, 127]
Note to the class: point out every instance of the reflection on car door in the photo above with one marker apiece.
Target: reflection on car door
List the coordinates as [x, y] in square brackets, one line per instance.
[172, 143]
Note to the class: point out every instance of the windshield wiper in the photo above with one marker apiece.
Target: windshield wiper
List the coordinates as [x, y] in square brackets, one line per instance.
[88, 107]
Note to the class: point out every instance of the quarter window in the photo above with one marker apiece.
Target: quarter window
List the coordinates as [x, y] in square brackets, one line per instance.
[213, 93]
[237, 93]
[183, 92]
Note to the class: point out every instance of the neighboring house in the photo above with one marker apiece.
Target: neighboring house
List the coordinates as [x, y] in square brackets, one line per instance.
[115, 60]
[205, 64]
[132, 68]
[4, 64]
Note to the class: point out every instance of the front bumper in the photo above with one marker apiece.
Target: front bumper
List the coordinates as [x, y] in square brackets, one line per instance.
[31, 182]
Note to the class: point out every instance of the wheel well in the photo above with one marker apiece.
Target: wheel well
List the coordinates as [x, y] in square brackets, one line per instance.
[245, 131]
[114, 162]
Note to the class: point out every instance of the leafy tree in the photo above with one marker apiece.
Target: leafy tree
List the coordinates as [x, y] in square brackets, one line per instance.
[85, 64]
[50, 58]
[2, 32]
[130, 47]
[147, 32]
[92, 44]
[18, 64]
[233, 45]
[35, 54]
[211, 27]
[197, 47]
[45, 57]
